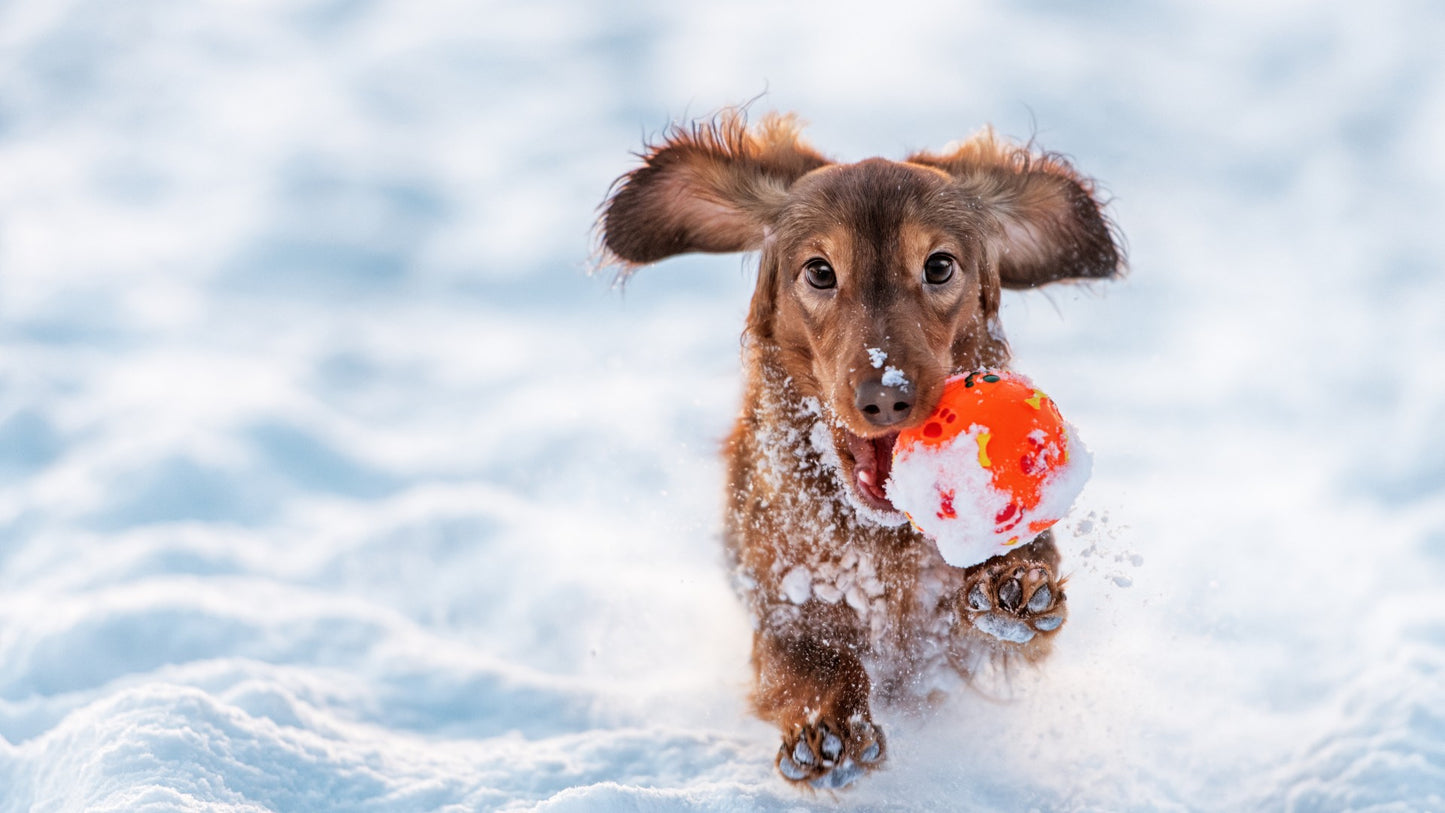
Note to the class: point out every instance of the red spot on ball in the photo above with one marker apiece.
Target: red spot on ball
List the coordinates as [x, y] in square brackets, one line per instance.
[933, 429]
[1008, 517]
[945, 505]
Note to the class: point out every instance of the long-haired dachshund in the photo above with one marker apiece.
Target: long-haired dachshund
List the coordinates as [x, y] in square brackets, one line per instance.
[866, 268]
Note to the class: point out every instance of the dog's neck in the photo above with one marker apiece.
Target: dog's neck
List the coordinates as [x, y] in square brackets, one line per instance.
[793, 447]
[776, 396]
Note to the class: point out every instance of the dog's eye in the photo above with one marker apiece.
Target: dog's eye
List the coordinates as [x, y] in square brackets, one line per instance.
[820, 275]
[938, 269]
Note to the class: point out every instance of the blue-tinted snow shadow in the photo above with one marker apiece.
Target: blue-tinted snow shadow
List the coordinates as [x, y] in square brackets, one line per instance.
[28, 443]
[287, 463]
[179, 488]
[312, 465]
[336, 232]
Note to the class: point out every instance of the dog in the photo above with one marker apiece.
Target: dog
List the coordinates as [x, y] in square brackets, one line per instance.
[877, 281]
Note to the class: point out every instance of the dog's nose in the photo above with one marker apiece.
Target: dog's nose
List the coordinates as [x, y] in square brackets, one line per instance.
[883, 404]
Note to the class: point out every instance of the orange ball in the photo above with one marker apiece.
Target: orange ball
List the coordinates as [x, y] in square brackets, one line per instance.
[998, 438]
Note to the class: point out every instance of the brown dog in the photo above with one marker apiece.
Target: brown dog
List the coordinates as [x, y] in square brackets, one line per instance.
[878, 280]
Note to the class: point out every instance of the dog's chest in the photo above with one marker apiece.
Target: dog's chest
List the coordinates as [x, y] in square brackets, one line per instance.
[848, 580]
[811, 550]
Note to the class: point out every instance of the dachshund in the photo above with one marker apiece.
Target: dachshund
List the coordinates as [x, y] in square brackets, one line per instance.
[859, 264]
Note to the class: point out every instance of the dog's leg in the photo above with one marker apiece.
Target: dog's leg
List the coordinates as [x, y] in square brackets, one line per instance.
[1015, 598]
[816, 690]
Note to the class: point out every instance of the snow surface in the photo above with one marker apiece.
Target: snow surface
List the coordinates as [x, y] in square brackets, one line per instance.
[328, 481]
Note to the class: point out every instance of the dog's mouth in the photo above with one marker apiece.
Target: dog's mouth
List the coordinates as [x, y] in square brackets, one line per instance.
[872, 465]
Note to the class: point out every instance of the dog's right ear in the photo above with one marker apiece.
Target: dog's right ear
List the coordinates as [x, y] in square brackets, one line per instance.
[1052, 224]
[712, 187]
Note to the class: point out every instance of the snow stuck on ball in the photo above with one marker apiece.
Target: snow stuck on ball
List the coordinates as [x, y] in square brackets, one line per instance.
[993, 466]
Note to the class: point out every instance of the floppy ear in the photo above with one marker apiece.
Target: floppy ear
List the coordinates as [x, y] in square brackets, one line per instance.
[712, 187]
[1052, 226]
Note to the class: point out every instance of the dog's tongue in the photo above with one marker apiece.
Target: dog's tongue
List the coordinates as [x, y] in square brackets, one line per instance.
[873, 464]
[883, 449]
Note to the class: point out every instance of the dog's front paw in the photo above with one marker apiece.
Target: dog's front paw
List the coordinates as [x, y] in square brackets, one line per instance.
[830, 756]
[1013, 600]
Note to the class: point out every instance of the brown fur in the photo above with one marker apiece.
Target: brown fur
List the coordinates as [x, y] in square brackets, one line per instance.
[852, 607]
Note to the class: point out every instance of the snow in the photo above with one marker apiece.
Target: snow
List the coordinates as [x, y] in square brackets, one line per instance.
[329, 481]
[951, 497]
[798, 585]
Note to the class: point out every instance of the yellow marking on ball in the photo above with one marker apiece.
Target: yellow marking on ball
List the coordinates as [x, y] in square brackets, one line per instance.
[983, 439]
[1037, 401]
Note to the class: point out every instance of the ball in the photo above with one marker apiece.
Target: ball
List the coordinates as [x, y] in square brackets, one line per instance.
[993, 466]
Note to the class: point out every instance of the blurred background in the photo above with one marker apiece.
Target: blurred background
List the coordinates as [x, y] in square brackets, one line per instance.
[330, 479]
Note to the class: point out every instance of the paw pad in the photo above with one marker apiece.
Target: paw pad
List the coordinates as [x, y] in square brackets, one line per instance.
[1041, 600]
[831, 757]
[1013, 601]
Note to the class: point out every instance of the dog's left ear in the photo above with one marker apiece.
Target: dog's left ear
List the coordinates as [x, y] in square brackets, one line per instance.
[711, 187]
[1052, 226]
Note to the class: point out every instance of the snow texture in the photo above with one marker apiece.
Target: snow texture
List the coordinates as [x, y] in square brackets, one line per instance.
[329, 481]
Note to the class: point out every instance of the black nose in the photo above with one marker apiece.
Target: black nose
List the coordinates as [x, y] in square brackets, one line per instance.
[883, 404]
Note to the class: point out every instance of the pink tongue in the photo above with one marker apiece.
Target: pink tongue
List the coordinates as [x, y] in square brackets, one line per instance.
[883, 457]
[873, 477]
[868, 483]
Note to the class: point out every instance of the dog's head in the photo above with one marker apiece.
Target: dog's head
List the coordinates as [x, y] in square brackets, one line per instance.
[878, 280]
